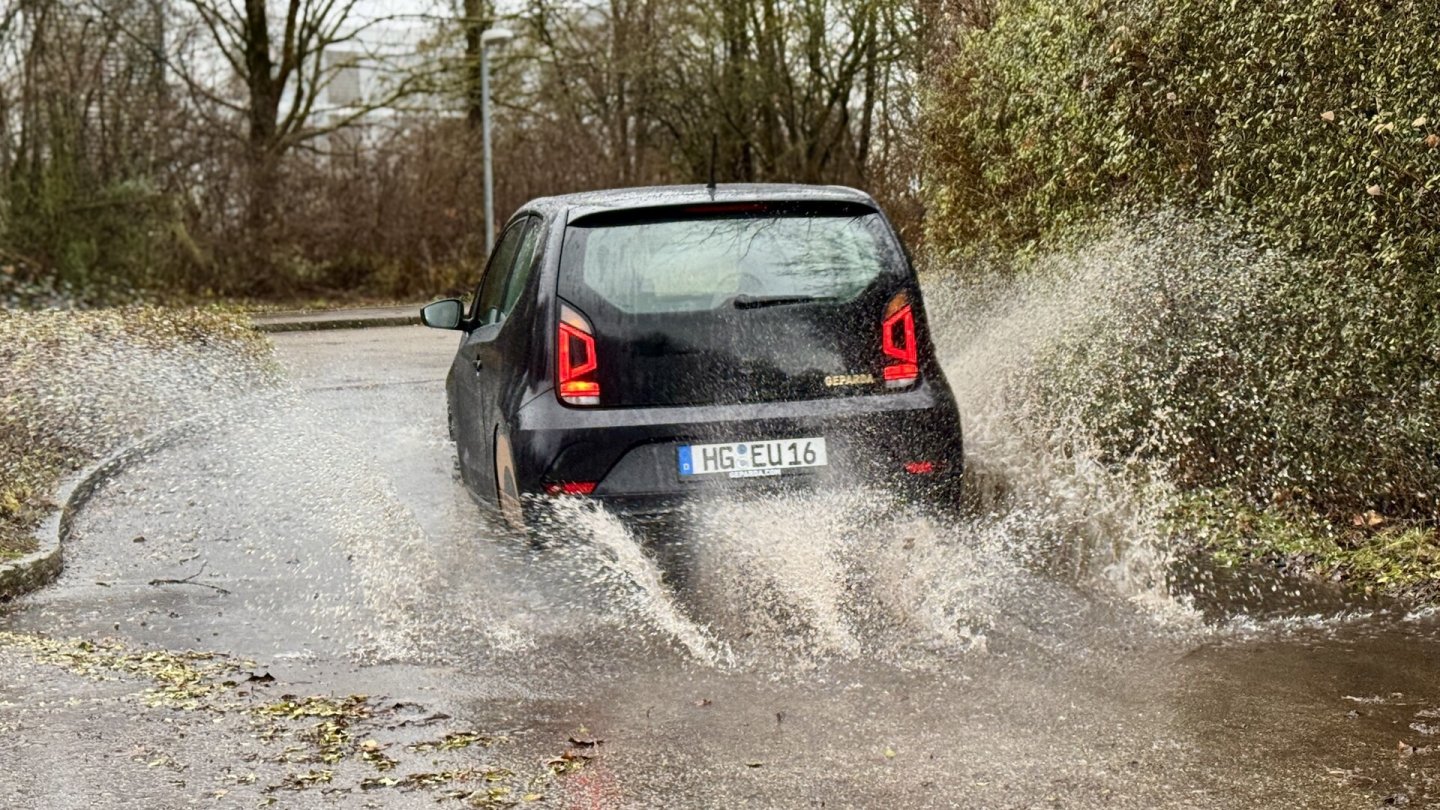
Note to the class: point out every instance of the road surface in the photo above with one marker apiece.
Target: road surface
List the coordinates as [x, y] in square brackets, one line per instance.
[831, 652]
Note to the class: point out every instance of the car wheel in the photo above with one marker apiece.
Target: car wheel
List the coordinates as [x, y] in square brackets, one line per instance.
[507, 490]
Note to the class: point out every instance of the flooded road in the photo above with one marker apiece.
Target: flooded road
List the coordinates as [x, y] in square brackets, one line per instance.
[832, 651]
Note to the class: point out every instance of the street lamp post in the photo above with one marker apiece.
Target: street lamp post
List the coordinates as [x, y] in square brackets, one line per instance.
[488, 36]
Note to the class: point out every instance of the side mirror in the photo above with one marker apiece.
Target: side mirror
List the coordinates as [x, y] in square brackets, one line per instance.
[446, 314]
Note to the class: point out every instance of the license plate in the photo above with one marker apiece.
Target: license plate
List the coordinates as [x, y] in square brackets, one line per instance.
[751, 459]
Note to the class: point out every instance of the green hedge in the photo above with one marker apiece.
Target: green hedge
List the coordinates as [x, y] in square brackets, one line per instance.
[1316, 122]
[1296, 363]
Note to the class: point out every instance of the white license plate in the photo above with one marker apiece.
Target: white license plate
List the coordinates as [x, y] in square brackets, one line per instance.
[751, 459]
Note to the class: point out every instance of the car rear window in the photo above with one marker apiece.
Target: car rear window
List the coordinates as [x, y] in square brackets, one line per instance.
[729, 304]
[708, 262]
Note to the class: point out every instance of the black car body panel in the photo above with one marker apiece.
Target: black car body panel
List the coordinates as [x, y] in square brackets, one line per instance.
[769, 368]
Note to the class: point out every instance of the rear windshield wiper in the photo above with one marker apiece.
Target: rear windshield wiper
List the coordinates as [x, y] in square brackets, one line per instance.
[758, 301]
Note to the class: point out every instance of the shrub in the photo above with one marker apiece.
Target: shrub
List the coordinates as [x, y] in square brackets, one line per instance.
[78, 384]
[1296, 363]
[1314, 122]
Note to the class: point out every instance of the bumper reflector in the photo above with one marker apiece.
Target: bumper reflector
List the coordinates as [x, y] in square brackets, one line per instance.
[570, 488]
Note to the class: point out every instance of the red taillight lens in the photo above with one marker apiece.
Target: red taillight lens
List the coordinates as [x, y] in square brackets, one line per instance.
[576, 362]
[570, 488]
[897, 340]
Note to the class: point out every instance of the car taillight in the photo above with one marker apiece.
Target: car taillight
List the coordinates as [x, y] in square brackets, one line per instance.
[576, 361]
[897, 340]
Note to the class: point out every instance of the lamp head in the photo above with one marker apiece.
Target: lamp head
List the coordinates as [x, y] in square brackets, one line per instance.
[496, 36]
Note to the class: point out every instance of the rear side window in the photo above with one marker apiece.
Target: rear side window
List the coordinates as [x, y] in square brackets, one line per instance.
[524, 263]
[490, 298]
[687, 265]
[508, 271]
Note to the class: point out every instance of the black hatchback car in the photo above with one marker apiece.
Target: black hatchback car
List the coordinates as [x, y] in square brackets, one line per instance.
[644, 347]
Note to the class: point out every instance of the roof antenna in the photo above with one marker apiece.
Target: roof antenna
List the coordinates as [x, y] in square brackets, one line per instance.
[714, 149]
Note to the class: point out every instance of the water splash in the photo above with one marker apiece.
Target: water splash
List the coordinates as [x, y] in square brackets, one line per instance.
[624, 569]
[1054, 534]
[1087, 518]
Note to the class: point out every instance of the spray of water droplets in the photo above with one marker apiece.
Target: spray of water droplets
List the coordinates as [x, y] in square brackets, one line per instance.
[1055, 536]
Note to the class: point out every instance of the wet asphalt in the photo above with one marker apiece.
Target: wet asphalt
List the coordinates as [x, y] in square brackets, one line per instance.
[319, 540]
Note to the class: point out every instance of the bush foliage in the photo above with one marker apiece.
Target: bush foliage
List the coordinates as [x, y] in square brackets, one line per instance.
[1317, 122]
[1302, 368]
[79, 384]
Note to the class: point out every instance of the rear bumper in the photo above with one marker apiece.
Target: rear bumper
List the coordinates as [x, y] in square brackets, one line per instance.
[938, 489]
[631, 453]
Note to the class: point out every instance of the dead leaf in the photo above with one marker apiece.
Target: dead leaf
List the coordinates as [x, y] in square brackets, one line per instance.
[1374, 190]
[1328, 115]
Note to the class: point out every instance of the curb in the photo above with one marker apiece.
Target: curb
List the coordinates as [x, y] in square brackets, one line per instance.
[42, 567]
[311, 324]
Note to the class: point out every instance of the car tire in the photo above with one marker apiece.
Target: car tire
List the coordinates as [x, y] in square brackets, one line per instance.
[507, 490]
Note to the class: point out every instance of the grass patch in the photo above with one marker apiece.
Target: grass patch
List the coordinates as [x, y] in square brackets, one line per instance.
[1372, 554]
[79, 384]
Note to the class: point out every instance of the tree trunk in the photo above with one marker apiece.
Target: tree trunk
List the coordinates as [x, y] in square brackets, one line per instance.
[477, 19]
[260, 76]
[264, 114]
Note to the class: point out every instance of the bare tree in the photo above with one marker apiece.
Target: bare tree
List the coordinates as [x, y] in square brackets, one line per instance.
[83, 117]
[283, 55]
[215, 139]
[796, 86]
[280, 60]
[803, 90]
[476, 16]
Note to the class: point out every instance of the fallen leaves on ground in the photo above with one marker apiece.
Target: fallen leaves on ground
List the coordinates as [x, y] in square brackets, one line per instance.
[328, 736]
[453, 742]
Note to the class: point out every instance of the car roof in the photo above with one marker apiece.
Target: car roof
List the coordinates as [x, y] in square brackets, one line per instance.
[572, 206]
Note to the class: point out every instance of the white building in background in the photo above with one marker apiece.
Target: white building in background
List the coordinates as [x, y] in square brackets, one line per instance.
[346, 89]
[397, 42]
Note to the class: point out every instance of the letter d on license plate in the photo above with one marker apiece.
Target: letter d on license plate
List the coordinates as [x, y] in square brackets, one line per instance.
[751, 459]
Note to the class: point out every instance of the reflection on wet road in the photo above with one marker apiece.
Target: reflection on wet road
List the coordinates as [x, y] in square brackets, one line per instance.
[837, 650]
